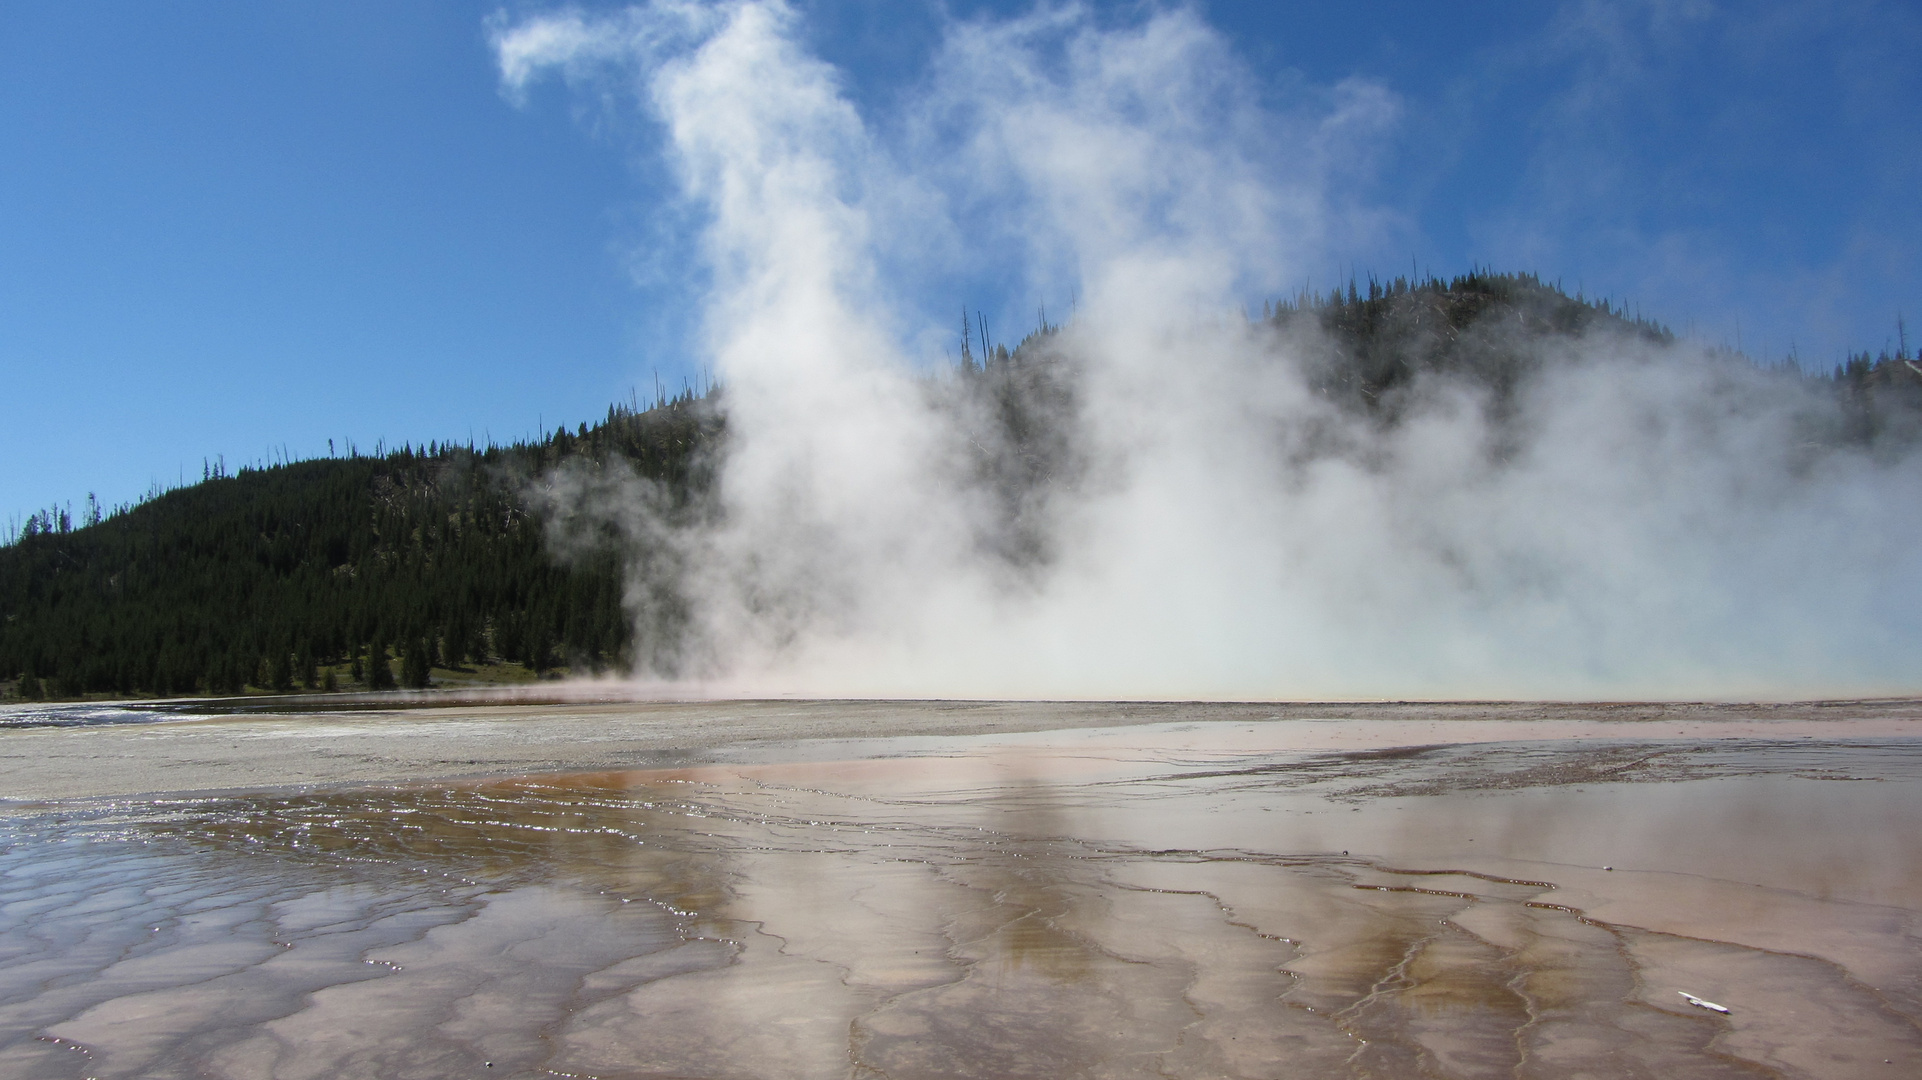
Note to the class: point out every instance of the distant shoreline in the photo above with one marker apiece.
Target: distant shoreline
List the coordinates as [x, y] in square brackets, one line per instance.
[212, 748]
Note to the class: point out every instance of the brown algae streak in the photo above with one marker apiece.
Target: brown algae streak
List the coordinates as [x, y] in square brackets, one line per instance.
[1112, 905]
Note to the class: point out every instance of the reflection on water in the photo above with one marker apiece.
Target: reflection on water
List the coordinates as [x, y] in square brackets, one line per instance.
[1148, 902]
[85, 714]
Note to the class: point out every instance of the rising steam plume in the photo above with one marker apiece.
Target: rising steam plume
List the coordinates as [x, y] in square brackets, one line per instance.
[1179, 507]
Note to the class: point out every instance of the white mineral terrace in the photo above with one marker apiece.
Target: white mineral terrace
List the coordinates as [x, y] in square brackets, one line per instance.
[1152, 891]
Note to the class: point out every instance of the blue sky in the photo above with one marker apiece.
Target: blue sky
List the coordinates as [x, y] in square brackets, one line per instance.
[243, 229]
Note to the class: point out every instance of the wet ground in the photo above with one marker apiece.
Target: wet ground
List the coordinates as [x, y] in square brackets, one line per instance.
[1177, 899]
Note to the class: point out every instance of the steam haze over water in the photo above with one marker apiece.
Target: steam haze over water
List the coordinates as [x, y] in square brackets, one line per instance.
[1640, 520]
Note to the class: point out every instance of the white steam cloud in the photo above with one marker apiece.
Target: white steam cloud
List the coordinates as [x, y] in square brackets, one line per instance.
[1643, 522]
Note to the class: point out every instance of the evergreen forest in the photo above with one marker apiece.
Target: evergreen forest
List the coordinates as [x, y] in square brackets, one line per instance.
[436, 564]
[362, 571]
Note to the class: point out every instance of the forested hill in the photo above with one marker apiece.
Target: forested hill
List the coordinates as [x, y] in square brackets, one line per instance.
[325, 574]
[332, 572]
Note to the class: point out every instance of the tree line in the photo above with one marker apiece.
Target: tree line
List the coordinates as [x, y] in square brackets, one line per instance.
[376, 571]
[272, 578]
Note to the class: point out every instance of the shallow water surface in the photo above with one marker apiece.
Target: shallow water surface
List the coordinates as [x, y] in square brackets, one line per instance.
[1172, 900]
[86, 714]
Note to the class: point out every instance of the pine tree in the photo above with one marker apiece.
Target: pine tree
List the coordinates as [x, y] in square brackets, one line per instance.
[540, 651]
[280, 673]
[415, 670]
[380, 673]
